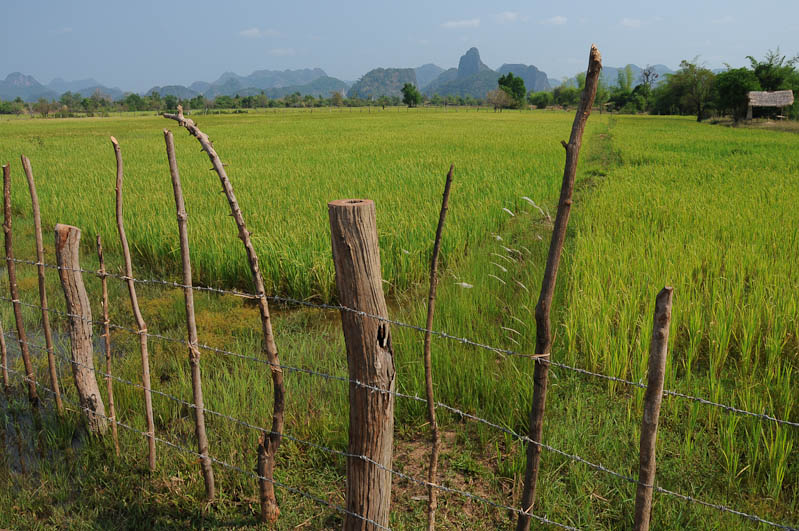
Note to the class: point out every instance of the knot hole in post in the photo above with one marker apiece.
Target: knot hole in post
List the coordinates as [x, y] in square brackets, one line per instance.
[382, 336]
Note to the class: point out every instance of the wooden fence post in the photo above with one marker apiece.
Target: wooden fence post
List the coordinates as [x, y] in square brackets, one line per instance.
[134, 303]
[11, 266]
[191, 323]
[543, 332]
[48, 334]
[67, 243]
[432, 493]
[269, 442]
[109, 382]
[653, 397]
[370, 357]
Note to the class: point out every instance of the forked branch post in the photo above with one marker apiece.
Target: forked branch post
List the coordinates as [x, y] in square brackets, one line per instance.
[543, 341]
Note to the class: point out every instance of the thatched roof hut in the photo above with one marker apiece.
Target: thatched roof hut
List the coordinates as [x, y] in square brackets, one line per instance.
[779, 98]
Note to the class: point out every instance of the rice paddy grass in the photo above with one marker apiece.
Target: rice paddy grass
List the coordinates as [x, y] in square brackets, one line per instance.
[660, 201]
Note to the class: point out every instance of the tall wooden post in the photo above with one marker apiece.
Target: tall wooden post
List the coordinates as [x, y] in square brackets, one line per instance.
[653, 397]
[543, 326]
[191, 323]
[48, 334]
[370, 357]
[67, 242]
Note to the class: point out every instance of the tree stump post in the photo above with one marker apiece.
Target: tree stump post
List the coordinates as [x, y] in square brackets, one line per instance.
[67, 241]
[653, 397]
[370, 357]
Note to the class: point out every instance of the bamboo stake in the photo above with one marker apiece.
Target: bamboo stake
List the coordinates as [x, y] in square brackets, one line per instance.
[191, 324]
[107, 339]
[658, 349]
[432, 493]
[4, 361]
[12, 281]
[134, 303]
[48, 334]
[269, 443]
[543, 340]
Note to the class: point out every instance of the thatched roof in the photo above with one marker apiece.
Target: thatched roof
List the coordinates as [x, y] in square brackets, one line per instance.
[780, 98]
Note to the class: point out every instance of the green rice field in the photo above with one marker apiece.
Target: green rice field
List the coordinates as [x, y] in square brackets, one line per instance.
[709, 210]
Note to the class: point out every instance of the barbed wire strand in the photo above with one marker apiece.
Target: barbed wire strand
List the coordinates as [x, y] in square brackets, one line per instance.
[522, 438]
[397, 473]
[280, 484]
[666, 392]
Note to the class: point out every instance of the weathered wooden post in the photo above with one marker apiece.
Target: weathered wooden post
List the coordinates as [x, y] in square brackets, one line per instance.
[653, 397]
[67, 242]
[370, 357]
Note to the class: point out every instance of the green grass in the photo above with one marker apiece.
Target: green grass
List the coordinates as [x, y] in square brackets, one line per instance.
[659, 201]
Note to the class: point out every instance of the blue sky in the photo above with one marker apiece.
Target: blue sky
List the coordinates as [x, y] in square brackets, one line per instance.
[135, 45]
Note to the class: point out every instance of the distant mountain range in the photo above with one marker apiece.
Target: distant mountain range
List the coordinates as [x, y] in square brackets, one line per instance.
[472, 77]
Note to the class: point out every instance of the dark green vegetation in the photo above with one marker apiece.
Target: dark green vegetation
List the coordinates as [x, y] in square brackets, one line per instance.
[708, 210]
[382, 82]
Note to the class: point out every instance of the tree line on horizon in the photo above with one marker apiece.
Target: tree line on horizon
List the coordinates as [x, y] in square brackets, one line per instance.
[692, 90]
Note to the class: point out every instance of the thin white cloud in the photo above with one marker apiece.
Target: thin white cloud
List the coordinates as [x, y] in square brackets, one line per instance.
[461, 24]
[257, 33]
[727, 19]
[507, 16]
[62, 31]
[630, 22]
[282, 52]
[557, 20]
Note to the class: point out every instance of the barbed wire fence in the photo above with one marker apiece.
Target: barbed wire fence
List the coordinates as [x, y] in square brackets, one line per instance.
[63, 359]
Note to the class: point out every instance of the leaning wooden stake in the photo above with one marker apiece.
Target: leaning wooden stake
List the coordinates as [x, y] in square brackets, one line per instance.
[191, 324]
[33, 396]
[543, 340]
[109, 382]
[4, 359]
[370, 357]
[67, 247]
[653, 397]
[428, 363]
[134, 302]
[270, 442]
[48, 335]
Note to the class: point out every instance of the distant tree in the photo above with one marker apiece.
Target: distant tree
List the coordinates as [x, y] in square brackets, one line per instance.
[540, 100]
[198, 102]
[154, 103]
[171, 102]
[411, 95]
[42, 106]
[566, 96]
[134, 102]
[698, 86]
[624, 79]
[499, 99]
[261, 100]
[337, 99]
[732, 89]
[514, 86]
[224, 102]
[773, 71]
[648, 77]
